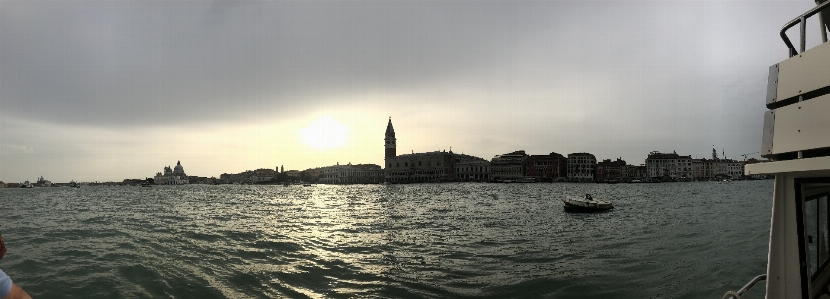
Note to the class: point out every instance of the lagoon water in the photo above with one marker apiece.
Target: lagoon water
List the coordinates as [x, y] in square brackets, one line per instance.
[456, 240]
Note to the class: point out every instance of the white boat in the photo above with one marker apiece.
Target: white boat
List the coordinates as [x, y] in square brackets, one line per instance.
[586, 204]
[26, 184]
[796, 138]
[74, 184]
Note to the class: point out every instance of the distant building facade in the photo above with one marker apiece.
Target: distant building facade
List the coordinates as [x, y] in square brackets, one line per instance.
[581, 167]
[171, 176]
[437, 166]
[716, 168]
[420, 167]
[632, 173]
[352, 174]
[259, 176]
[473, 171]
[509, 167]
[609, 171]
[669, 166]
[546, 168]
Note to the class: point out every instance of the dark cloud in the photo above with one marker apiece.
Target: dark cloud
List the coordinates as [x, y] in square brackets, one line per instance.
[600, 76]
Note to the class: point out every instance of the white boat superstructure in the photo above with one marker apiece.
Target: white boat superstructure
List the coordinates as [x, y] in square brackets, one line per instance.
[797, 141]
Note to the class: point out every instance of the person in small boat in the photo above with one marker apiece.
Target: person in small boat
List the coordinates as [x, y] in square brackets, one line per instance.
[588, 196]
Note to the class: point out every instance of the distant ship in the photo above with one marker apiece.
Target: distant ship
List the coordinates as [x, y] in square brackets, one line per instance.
[74, 184]
[26, 184]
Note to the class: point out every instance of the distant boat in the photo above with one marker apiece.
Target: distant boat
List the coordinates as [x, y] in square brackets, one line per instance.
[587, 204]
[74, 184]
[306, 185]
[146, 184]
[26, 184]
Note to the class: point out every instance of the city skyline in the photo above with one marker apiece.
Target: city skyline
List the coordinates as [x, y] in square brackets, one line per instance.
[99, 91]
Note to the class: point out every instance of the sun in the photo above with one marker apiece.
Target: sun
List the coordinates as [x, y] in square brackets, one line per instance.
[325, 133]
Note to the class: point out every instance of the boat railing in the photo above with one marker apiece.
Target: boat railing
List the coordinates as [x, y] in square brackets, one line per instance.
[743, 290]
[802, 20]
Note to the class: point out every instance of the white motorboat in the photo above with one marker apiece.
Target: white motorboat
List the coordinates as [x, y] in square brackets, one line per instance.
[586, 204]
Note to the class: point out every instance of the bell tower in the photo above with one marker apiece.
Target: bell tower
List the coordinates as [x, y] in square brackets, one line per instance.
[390, 140]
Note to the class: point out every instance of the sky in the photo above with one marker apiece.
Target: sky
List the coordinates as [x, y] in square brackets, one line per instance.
[113, 90]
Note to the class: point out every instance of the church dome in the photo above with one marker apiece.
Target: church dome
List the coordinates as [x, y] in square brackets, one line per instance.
[178, 168]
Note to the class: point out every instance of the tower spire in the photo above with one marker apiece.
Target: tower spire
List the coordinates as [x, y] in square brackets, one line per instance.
[390, 140]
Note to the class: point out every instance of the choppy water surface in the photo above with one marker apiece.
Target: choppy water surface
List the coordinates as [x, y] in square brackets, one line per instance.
[671, 240]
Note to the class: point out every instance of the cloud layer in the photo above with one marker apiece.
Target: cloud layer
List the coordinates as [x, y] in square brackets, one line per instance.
[612, 78]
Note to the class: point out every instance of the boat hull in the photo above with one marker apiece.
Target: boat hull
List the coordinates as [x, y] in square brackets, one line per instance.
[586, 207]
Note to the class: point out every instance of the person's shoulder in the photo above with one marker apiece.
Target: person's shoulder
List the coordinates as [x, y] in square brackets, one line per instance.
[6, 285]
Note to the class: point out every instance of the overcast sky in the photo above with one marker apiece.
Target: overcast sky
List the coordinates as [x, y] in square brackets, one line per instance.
[108, 90]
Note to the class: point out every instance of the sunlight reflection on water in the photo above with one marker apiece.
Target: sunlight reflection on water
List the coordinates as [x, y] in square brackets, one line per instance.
[431, 240]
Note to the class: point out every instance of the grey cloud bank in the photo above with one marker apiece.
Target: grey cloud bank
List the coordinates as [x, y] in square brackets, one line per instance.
[612, 78]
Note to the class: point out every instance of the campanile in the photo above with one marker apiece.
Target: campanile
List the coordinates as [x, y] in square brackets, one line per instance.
[390, 140]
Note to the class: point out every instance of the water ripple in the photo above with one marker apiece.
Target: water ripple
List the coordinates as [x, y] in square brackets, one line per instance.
[373, 241]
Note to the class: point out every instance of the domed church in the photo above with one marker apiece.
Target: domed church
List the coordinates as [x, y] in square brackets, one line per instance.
[172, 176]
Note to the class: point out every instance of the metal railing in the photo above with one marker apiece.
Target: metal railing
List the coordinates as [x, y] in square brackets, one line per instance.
[803, 21]
[742, 291]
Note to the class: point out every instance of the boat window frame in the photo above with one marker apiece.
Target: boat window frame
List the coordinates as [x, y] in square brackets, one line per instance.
[807, 280]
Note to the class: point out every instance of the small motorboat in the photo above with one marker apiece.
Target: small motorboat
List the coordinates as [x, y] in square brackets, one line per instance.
[587, 204]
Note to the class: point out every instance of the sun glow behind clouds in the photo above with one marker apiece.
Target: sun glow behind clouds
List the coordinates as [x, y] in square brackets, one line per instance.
[325, 133]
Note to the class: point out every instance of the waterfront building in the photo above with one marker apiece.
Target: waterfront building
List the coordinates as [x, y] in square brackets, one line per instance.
[313, 174]
[295, 174]
[581, 167]
[509, 167]
[171, 176]
[609, 171]
[546, 168]
[259, 176]
[716, 168]
[632, 173]
[201, 180]
[437, 166]
[352, 174]
[669, 166]
[475, 171]
[434, 166]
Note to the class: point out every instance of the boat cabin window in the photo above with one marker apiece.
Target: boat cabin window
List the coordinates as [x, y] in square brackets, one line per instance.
[816, 232]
